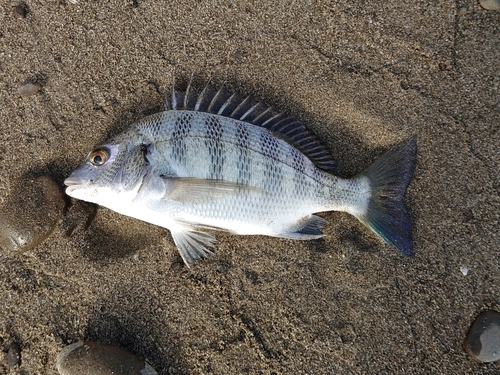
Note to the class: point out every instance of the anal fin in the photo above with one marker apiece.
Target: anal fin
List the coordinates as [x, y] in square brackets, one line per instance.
[193, 245]
[309, 228]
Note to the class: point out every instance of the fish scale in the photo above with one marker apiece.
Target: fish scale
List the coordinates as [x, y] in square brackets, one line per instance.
[217, 161]
[216, 148]
[261, 151]
[243, 162]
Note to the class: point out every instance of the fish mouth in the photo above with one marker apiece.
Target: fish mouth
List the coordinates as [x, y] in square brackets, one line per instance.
[73, 183]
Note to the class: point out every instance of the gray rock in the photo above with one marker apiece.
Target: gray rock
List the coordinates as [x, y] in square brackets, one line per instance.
[483, 340]
[30, 213]
[83, 358]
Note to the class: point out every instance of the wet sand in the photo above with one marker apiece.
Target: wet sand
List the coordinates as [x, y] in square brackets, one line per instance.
[363, 77]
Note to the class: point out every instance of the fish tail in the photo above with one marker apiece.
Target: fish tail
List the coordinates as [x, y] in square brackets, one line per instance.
[384, 212]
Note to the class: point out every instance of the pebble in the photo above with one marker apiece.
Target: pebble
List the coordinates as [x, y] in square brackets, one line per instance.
[490, 4]
[28, 89]
[13, 357]
[21, 10]
[83, 358]
[30, 213]
[483, 340]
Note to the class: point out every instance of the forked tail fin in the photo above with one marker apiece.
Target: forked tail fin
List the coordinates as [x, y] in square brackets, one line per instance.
[385, 214]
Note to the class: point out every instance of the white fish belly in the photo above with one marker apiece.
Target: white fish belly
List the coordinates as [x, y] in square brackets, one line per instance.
[248, 215]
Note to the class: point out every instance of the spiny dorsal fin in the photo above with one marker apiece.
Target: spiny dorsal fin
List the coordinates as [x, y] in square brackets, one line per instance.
[220, 102]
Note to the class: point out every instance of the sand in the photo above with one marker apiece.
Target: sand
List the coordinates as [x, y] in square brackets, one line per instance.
[363, 76]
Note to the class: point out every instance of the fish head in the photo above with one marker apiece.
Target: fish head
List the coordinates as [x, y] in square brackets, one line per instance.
[108, 173]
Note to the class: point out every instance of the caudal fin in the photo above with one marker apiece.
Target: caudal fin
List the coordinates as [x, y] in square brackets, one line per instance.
[385, 213]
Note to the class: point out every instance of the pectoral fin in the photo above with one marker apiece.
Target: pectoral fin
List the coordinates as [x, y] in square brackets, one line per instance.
[197, 190]
[192, 245]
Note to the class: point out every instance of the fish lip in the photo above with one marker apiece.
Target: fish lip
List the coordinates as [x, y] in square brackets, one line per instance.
[72, 181]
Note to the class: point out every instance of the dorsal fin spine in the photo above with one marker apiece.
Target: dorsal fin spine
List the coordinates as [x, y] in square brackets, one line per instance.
[221, 110]
[282, 125]
[187, 93]
[200, 98]
[264, 113]
[272, 119]
[241, 105]
[245, 115]
[174, 96]
[215, 98]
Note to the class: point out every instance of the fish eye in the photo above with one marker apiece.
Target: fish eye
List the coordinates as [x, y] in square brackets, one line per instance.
[99, 156]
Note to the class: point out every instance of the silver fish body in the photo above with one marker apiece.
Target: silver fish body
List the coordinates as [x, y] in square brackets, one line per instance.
[215, 161]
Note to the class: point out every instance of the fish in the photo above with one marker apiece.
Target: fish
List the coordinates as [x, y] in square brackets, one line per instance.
[212, 161]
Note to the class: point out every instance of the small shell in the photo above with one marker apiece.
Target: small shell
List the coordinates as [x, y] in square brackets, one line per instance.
[29, 89]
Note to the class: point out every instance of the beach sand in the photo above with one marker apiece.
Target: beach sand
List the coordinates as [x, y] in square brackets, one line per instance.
[364, 76]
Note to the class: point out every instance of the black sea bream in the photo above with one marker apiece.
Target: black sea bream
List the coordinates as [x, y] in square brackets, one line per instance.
[217, 161]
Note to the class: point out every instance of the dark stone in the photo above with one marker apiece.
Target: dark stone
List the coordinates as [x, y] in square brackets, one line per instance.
[483, 340]
[21, 10]
[13, 357]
